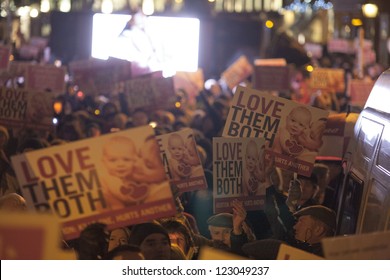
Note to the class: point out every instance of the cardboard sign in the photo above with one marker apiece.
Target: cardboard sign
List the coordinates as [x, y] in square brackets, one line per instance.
[287, 252]
[339, 129]
[328, 78]
[5, 53]
[45, 78]
[22, 108]
[359, 90]
[237, 72]
[292, 131]
[271, 78]
[270, 62]
[238, 173]
[99, 76]
[209, 253]
[340, 46]
[18, 68]
[117, 179]
[149, 93]
[368, 246]
[191, 82]
[181, 160]
[28, 236]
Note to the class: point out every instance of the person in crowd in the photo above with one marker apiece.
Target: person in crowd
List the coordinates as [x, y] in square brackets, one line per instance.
[93, 129]
[302, 192]
[181, 236]
[8, 182]
[152, 239]
[125, 252]
[314, 223]
[118, 236]
[93, 242]
[229, 231]
[13, 202]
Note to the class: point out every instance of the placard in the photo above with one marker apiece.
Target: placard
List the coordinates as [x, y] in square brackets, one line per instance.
[238, 173]
[23, 108]
[292, 131]
[181, 160]
[117, 179]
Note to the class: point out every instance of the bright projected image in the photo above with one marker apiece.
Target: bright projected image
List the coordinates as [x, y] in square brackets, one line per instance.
[169, 44]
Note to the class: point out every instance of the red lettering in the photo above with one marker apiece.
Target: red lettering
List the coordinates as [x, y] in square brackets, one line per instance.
[239, 99]
[82, 157]
[29, 177]
[66, 165]
[47, 170]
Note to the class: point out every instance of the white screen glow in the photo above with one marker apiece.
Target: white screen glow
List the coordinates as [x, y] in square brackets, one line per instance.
[166, 43]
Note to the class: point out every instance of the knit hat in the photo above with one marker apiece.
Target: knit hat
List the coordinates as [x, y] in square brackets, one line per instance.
[221, 220]
[265, 249]
[321, 213]
[140, 231]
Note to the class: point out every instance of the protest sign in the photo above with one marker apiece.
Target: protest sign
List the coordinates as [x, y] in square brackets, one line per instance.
[328, 79]
[191, 82]
[5, 53]
[22, 108]
[358, 91]
[287, 252]
[45, 78]
[29, 236]
[97, 76]
[149, 93]
[181, 160]
[271, 78]
[339, 129]
[292, 131]
[238, 173]
[209, 253]
[367, 246]
[117, 179]
[237, 72]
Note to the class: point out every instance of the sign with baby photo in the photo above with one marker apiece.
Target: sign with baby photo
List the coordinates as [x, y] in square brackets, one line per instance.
[292, 131]
[238, 173]
[181, 160]
[117, 179]
[20, 108]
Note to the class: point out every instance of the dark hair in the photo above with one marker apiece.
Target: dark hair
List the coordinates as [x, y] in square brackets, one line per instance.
[173, 226]
[122, 248]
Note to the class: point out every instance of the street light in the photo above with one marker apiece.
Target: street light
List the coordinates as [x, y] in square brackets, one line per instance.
[370, 10]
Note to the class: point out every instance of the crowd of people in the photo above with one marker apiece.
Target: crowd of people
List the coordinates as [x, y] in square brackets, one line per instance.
[297, 211]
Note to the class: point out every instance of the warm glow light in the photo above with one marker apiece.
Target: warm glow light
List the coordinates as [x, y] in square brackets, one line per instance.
[45, 6]
[97, 112]
[80, 94]
[148, 7]
[65, 6]
[34, 13]
[107, 7]
[309, 68]
[57, 107]
[370, 10]
[177, 104]
[153, 124]
[356, 22]
[269, 24]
